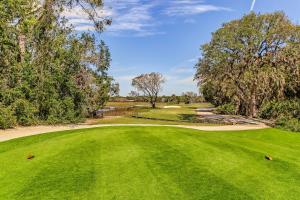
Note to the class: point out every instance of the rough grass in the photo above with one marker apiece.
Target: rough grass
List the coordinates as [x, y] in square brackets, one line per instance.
[151, 163]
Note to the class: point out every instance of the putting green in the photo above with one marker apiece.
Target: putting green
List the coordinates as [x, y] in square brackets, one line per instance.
[151, 163]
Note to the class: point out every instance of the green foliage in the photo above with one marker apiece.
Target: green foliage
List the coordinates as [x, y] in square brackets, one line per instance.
[251, 61]
[174, 99]
[292, 124]
[277, 109]
[285, 113]
[7, 118]
[48, 72]
[226, 109]
[25, 112]
[189, 97]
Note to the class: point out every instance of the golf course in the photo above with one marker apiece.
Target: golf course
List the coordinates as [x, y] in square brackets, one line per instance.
[149, 100]
[151, 163]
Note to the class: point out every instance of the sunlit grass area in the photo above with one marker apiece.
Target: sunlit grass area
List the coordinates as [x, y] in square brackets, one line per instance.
[159, 105]
[176, 114]
[151, 163]
[168, 113]
[132, 120]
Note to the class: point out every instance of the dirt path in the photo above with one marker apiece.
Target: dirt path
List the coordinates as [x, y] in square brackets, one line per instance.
[10, 134]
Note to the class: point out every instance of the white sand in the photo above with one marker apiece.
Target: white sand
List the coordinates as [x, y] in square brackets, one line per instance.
[35, 130]
[172, 106]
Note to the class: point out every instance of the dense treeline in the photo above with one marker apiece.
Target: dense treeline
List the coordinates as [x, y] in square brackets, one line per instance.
[48, 72]
[252, 67]
[185, 97]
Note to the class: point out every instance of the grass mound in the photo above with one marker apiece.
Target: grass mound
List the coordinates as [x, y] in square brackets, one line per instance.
[151, 163]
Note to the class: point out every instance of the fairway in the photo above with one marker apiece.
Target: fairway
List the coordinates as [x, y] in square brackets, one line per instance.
[151, 163]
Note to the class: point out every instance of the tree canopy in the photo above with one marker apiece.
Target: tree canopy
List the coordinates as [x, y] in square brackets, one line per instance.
[49, 72]
[150, 85]
[251, 61]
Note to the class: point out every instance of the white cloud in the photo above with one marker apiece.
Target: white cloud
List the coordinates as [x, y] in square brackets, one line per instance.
[130, 18]
[190, 7]
[137, 17]
[187, 80]
[178, 84]
[80, 20]
[193, 60]
[187, 2]
[252, 5]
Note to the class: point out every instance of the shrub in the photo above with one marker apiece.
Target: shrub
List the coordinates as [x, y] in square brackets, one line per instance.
[62, 111]
[25, 112]
[285, 113]
[292, 124]
[226, 109]
[53, 111]
[68, 108]
[53, 120]
[277, 109]
[7, 119]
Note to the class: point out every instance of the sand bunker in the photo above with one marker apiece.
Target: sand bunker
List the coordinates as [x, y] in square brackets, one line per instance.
[172, 106]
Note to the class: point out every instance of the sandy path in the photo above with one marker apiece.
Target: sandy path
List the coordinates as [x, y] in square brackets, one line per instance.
[35, 130]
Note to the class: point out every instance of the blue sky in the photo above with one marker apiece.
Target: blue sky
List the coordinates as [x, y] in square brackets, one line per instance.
[165, 35]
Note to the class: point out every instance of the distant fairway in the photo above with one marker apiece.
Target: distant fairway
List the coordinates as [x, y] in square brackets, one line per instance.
[151, 163]
[166, 114]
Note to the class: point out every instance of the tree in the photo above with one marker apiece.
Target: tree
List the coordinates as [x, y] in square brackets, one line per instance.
[133, 94]
[150, 85]
[29, 13]
[114, 89]
[189, 97]
[48, 72]
[174, 99]
[250, 61]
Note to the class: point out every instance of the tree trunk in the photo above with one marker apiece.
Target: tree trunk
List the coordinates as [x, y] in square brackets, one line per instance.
[22, 48]
[253, 106]
[153, 105]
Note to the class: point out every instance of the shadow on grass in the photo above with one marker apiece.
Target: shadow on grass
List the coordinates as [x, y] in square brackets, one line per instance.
[189, 117]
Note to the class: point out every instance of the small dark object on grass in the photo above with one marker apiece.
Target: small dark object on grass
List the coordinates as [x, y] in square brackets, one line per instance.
[268, 158]
[30, 157]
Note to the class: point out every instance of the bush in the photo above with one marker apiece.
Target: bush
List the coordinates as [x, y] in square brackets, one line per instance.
[292, 124]
[52, 120]
[285, 113]
[226, 109]
[278, 109]
[62, 111]
[52, 111]
[7, 119]
[25, 112]
[69, 111]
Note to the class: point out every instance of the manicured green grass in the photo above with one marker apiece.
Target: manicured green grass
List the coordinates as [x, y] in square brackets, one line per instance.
[185, 114]
[126, 104]
[159, 105]
[168, 113]
[132, 120]
[152, 163]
